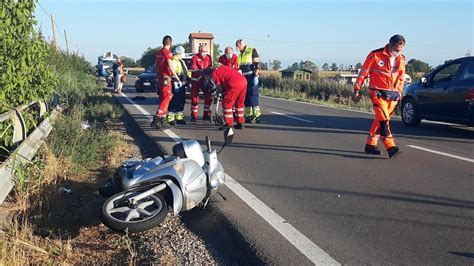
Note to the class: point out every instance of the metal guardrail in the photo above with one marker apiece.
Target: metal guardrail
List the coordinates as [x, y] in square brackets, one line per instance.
[28, 145]
[19, 126]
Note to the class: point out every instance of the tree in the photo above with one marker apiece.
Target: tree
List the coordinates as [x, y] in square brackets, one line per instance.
[334, 67]
[308, 65]
[215, 56]
[264, 66]
[148, 57]
[325, 67]
[128, 62]
[276, 65]
[295, 65]
[358, 66]
[419, 66]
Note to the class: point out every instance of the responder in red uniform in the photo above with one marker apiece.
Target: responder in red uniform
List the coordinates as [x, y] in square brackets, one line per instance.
[234, 87]
[165, 72]
[386, 67]
[199, 62]
[229, 59]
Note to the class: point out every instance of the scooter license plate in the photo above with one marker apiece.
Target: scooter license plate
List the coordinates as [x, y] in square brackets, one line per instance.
[146, 83]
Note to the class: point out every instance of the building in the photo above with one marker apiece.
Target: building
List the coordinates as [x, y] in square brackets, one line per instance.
[297, 73]
[200, 38]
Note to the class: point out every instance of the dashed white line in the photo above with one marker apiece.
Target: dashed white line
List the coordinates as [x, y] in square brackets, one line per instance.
[292, 117]
[309, 249]
[442, 153]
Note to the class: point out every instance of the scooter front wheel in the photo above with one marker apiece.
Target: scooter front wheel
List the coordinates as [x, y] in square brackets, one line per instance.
[119, 214]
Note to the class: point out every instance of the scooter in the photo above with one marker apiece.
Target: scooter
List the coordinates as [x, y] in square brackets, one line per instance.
[142, 192]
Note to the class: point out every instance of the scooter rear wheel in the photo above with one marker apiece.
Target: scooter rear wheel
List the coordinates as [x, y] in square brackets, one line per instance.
[119, 215]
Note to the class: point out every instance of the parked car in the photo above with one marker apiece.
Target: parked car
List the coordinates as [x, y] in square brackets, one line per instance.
[446, 94]
[147, 79]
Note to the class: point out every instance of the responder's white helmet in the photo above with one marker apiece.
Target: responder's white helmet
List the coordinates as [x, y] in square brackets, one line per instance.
[178, 50]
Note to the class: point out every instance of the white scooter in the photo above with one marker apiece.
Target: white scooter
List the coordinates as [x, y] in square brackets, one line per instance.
[142, 191]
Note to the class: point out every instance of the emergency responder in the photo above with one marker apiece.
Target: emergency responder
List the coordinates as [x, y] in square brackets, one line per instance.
[199, 62]
[234, 86]
[386, 67]
[175, 114]
[229, 58]
[249, 65]
[165, 72]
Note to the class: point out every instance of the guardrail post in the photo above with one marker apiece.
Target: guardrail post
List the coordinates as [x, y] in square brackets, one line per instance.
[19, 126]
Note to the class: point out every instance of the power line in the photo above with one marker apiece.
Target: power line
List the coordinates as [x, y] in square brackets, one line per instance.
[297, 42]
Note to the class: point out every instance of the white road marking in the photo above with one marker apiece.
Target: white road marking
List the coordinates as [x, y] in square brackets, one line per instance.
[309, 249]
[442, 153]
[292, 117]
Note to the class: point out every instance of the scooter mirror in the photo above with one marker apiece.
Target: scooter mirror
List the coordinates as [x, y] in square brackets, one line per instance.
[228, 135]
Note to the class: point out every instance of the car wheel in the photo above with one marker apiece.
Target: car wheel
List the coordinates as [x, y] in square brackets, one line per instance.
[410, 113]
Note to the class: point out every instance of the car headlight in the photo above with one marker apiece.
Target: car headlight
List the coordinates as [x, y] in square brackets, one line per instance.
[217, 179]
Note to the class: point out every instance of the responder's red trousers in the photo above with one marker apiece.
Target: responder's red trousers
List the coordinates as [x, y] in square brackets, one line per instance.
[383, 110]
[196, 87]
[234, 97]
[165, 95]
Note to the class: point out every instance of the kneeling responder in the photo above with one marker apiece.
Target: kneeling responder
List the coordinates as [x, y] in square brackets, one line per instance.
[175, 110]
[386, 67]
[233, 85]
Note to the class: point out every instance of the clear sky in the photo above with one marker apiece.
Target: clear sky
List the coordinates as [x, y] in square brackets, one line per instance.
[338, 31]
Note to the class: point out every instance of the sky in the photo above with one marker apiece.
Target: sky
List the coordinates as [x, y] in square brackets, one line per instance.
[324, 31]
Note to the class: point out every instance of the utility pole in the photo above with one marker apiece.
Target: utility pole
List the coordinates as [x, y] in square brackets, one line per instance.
[67, 45]
[53, 41]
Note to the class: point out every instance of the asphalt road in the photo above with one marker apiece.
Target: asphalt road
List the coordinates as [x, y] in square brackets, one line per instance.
[306, 163]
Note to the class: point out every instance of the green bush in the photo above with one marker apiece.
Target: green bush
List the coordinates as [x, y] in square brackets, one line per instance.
[31, 70]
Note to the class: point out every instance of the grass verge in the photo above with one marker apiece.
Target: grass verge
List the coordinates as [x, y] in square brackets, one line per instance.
[53, 207]
[365, 103]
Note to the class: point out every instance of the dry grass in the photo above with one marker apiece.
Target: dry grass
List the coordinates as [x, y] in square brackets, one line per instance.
[135, 70]
[49, 226]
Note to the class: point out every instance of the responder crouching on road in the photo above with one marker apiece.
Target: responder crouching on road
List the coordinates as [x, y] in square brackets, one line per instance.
[249, 65]
[175, 110]
[199, 62]
[386, 67]
[234, 86]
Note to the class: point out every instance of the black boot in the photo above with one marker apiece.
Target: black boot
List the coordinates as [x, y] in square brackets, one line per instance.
[155, 122]
[206, 118]
[239, 126]
[371, 149]
[193, 119]
[393, 152]
[160, 123]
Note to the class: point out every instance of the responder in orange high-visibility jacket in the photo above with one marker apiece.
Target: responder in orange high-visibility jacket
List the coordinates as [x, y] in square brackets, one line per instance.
[386, 69]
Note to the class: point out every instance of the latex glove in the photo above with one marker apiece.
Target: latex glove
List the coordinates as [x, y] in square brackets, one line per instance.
[255, 80]
[356, 97]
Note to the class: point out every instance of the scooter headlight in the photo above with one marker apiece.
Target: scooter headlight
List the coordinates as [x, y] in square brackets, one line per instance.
[218, 179]
[179, 167]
